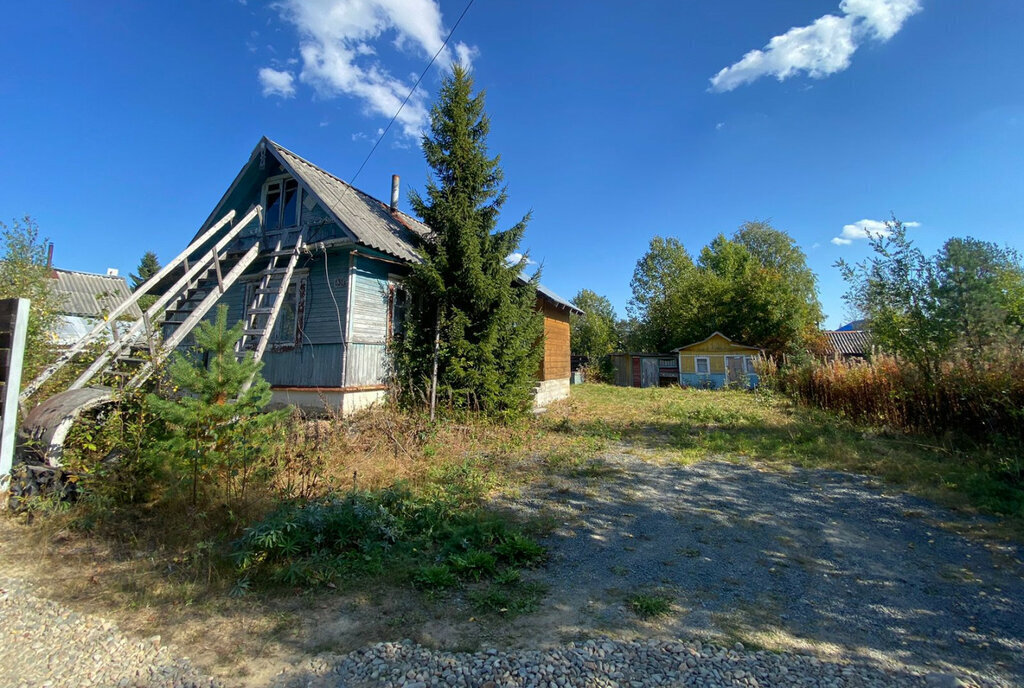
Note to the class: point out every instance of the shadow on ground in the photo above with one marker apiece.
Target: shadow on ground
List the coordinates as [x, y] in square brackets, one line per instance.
[808, 559]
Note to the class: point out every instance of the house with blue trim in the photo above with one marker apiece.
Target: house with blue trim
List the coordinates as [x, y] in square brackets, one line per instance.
[344, 299]
[716, 362]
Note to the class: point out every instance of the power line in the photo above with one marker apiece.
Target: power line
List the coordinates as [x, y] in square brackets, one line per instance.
[411, 91]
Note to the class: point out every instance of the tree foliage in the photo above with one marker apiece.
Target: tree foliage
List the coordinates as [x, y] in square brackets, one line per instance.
[24, 274]
[964, 300]
[464, 291]
[213, 428]
[148, 266]
[755, 288]
[594, 333]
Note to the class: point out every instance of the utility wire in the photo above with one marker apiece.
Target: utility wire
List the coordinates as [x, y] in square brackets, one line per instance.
[408, 96]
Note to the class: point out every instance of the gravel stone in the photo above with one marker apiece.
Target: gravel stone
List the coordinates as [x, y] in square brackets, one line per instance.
[45, 645]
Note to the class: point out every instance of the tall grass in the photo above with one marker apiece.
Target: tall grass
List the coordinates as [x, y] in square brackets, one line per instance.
[963, 401]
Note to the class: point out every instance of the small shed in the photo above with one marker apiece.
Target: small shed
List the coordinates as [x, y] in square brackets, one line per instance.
[645, 370]
[86, 298]
[717, 361]
[847, 344]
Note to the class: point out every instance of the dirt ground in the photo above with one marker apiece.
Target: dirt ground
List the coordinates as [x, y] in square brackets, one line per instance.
[810, 560]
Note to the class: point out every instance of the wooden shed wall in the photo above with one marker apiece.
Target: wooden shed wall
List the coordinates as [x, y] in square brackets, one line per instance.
[556, 364]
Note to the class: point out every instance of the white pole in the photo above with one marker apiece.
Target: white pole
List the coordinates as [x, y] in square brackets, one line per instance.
[9, 422]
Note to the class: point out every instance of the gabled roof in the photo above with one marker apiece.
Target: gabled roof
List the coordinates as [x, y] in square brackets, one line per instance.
[89, 295]
[551, 296]
[369, 220]
[718, 334]
[849, 342]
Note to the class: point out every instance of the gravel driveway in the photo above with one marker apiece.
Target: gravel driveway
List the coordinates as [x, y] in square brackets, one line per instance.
[855, 587]
[808, 559]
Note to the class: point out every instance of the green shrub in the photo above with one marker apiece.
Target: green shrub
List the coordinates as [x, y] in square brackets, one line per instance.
[433, 539]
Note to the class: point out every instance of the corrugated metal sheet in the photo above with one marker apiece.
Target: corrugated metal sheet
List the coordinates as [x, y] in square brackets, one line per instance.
[848, 342]
[369, 219]
[89, 295]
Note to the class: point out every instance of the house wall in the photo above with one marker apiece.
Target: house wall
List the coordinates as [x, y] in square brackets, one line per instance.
[716, 350]
[368, 324]
[556, 364]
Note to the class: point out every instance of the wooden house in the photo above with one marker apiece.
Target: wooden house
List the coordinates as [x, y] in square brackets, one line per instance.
[344, 299]
[314, 269]
[716, 362]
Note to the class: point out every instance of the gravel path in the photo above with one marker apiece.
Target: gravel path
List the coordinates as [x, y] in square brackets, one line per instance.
[45, 645]
[593, 663]
[817, 560]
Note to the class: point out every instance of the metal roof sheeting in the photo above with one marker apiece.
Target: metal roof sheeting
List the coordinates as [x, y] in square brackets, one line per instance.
[90, 295]
[848, 342]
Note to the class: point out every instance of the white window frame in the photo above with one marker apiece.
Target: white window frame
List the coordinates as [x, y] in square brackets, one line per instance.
[696, 367]
[748, 365]
[280, 180]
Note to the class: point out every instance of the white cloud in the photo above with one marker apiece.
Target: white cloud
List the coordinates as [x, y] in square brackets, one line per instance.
[277, 83]
[823, 47]
[865, 229]
[336, 44]
[514, 258]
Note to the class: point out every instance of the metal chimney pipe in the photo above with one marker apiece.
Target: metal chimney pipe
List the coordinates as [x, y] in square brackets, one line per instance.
[49, 257]
[394, 192]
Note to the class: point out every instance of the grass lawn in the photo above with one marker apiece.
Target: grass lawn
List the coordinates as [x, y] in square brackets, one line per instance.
[689, 425]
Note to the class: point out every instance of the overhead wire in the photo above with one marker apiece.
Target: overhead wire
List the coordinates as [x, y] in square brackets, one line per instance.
[407, 97]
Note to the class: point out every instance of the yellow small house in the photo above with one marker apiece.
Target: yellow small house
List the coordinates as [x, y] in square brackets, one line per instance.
[717, 361]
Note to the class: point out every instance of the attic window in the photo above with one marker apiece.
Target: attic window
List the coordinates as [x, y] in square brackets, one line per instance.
[281, 199]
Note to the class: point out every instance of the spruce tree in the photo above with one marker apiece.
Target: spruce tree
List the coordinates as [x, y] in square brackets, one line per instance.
[212, 426]
[148, 266]
[466, 298]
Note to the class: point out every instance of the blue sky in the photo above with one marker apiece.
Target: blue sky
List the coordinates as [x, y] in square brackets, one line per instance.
[123, 123]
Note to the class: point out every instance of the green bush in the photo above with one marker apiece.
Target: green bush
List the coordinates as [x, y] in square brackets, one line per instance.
[433, 539]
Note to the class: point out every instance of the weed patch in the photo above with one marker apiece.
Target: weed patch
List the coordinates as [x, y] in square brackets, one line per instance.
[435, 539]
[650, 606]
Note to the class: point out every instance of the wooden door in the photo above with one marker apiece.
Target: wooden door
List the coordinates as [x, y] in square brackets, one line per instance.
[649, 372]
[636, 372]
[734, 367]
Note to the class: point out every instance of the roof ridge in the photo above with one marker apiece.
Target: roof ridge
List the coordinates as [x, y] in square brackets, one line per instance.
[89, 274]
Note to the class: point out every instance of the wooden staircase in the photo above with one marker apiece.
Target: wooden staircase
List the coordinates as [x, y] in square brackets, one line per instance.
[132, 355]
